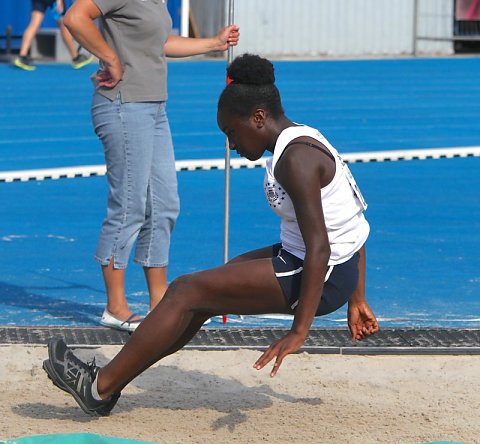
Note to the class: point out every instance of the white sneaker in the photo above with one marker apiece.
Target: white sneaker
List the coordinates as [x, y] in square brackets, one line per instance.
[108, 320]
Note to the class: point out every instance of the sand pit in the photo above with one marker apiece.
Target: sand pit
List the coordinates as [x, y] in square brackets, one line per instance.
[217, 397]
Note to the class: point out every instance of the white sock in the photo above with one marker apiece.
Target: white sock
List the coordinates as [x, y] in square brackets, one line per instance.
[95, 394]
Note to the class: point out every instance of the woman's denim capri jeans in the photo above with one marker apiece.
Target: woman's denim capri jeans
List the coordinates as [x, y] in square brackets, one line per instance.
[143, 202]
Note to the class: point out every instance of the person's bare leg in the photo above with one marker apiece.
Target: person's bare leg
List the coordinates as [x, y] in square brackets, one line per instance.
[114, 279]
[199, 319]
[260, 253]
[68, 39]
[243, 288]
[31, 31]
[157, 284]
[196, 323]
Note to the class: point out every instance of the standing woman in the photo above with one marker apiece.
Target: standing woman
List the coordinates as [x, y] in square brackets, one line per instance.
[318, 267]
[128, 113]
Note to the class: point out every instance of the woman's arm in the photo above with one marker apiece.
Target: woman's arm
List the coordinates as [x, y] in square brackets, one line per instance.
[302, 171]
[359, 293]
[177, 46]
[79, 20]
[361, 320]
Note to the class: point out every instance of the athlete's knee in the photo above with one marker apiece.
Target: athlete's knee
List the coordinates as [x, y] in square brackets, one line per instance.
[187, 290]
[180, 287]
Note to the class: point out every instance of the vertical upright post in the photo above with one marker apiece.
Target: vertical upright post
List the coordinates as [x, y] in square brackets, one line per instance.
[8, 39]
[226, 221]
[415, 27]
[185, 18]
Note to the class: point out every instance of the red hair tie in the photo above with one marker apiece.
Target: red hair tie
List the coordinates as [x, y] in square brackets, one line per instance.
[229, 80]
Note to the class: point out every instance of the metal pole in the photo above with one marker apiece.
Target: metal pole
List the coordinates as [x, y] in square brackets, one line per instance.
[226, 214]
[415, 27]
[185, 18]
[8, 40]
[226, 221]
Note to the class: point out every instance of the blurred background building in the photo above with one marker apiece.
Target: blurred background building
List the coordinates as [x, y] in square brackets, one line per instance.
[300, 28]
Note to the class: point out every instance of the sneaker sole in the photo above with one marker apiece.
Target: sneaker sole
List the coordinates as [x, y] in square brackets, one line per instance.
[57, 381]
[48, 369]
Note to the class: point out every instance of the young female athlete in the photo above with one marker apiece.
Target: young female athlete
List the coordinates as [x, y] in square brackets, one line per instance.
[318, 266]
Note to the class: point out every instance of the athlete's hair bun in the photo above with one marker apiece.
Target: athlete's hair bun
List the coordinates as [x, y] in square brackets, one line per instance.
[251, 86]
[250, 69]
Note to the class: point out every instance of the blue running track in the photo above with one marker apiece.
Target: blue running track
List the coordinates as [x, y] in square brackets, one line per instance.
[423, 266]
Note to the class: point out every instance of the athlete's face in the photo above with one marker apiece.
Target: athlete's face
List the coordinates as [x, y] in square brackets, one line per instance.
[244, 134]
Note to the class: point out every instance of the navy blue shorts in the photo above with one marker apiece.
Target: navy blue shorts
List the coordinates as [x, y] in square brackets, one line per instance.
[340, 285]
[42, 5]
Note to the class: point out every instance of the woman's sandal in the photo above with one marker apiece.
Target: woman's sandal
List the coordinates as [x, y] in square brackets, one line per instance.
[108, 320]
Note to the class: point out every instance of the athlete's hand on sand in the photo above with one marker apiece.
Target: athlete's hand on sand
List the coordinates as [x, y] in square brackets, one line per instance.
[361, 320]
[290, 343]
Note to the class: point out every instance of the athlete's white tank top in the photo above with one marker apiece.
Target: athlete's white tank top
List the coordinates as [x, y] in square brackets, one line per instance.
[342, 203]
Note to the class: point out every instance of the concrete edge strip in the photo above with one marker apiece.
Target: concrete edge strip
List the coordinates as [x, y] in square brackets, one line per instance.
[407, 341]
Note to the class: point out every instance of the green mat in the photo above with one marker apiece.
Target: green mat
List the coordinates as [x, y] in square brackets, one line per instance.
[444, 442]
[92, 438]
[72, 438]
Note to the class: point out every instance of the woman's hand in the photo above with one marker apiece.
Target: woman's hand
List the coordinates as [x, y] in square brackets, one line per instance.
[60, 6]
[361, 320]
[290, 343]
[227, 36]
[109, 74]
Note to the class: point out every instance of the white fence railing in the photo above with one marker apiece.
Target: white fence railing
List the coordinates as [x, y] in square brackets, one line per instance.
[344, 28]
[337, 28]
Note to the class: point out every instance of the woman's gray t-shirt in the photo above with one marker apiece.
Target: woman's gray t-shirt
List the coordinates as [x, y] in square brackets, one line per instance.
[137, 30]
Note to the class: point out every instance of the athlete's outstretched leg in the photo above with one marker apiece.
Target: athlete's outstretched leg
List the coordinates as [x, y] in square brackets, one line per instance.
[248, 287]
[199, 319]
